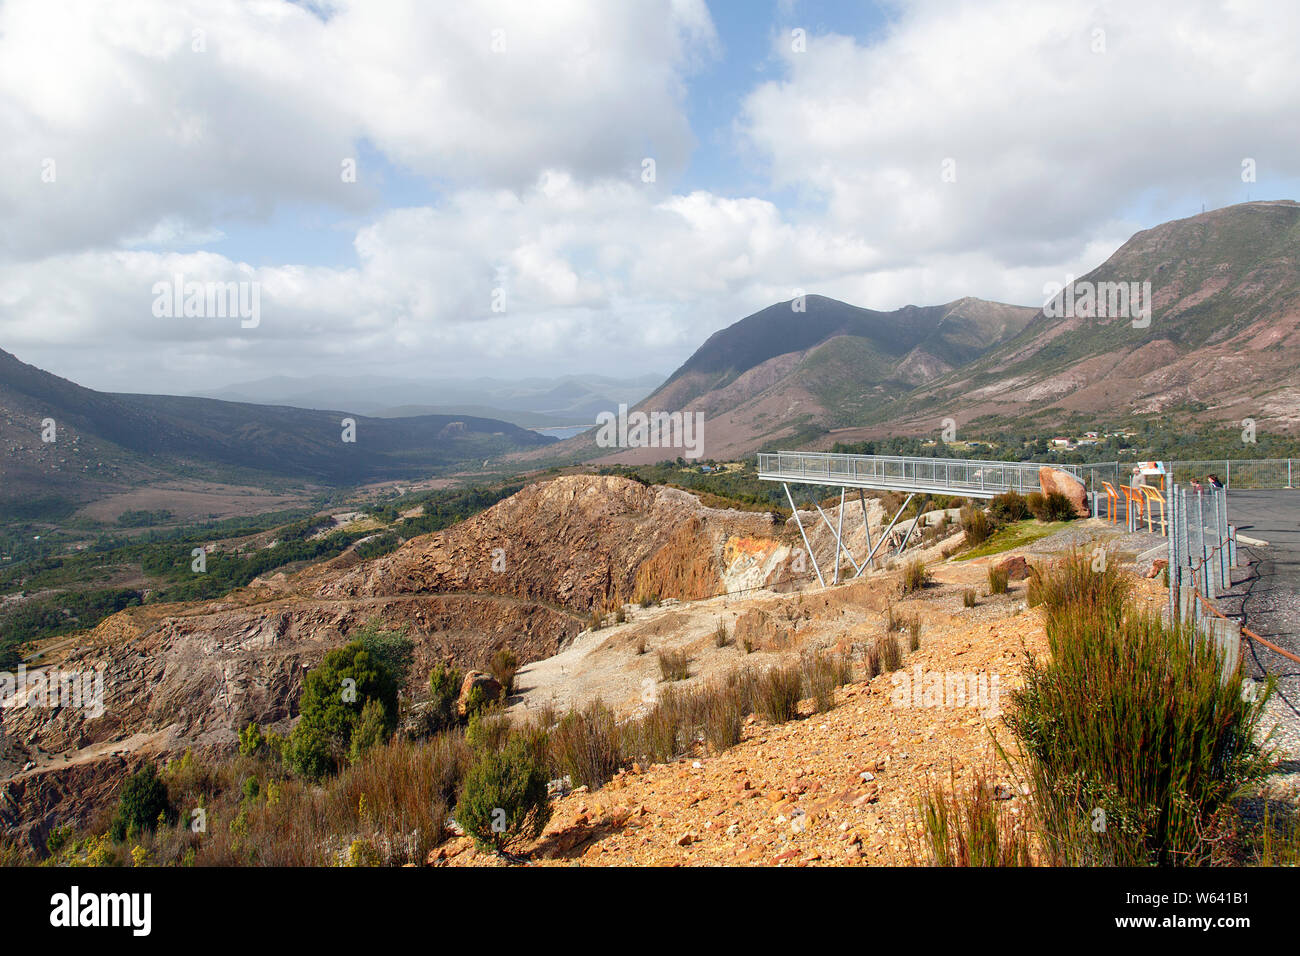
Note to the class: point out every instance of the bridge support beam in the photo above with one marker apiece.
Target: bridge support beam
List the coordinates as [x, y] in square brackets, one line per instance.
[885, 536]
[839, 538]
[866, 530]
[803, 534]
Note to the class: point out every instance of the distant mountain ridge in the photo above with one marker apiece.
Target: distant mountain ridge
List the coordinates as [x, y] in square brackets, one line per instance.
[531, 402]
[782, 370]
[105, 441]
[1223, 337]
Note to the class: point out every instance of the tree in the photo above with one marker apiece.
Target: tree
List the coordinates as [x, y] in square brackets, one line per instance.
[142, 804]
[333, 697]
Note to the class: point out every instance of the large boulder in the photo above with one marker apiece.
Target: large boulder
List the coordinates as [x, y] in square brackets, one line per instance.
[491, 690]
[1017, 567]
[1062, 482]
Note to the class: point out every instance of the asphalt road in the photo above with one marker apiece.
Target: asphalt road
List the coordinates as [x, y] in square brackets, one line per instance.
[1267, 595]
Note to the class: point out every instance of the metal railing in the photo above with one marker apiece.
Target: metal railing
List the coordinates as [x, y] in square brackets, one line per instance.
[1244, 473]
[955, 476]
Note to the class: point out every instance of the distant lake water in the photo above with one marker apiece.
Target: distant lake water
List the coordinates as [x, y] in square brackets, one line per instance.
[563, 431]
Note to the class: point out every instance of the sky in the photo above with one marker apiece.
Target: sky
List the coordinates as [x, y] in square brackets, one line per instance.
[513, 188]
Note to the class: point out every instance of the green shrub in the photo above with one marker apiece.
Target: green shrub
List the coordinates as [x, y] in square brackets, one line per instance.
[1009, 506]
[1058, 507]
[914, 633]
[488, 729]
[503, 801]
[968, 597]
[333, 696]
[370, 730]
[444, 689]
[251, 740]
[390, 649]
[142, 804]
[1036, 502]
[1131, 724]
[720, 636]
[476, 700]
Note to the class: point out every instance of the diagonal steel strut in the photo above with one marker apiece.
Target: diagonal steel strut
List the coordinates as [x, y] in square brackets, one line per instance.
[794, 510]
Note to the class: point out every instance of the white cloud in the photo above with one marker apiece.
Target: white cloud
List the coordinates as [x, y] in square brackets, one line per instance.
[1060, 153]
[186, 111]
[1054, 129]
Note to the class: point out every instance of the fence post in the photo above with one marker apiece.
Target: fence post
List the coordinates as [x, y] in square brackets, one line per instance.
[1171, 568]
[1227, 473]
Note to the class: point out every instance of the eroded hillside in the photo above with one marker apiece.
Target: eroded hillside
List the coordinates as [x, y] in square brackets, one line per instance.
[525, 574]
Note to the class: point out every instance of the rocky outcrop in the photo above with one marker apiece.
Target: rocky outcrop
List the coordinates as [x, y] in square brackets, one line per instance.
[1062, 482]
[1016, 567]
[489, 691]
[578, 541]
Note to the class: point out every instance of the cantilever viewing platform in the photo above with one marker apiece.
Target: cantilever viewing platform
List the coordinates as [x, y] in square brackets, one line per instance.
[923, 476]
[938, 476]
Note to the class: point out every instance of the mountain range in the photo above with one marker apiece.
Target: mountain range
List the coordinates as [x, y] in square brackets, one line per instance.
[1222, 338]
[1221, 341]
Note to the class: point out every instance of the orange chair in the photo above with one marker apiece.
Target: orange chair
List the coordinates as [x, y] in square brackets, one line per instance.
[1112, 502]
[1135, 500]
[1154, 497]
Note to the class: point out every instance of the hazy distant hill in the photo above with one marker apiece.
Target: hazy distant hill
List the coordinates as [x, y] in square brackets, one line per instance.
[571, 400]
[106, 441]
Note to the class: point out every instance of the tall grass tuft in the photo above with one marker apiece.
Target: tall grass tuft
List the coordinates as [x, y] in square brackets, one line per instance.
[999, 580]
[915, 576]
[977, 524]
[778, 692]
[971, 829]
[891, 654]
[674, 665]
[1135, 737]
[587, 745]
